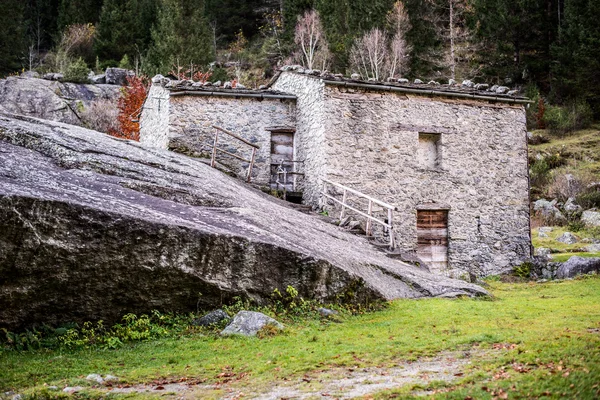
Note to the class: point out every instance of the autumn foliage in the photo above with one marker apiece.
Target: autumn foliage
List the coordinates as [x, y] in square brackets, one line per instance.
[130, 107]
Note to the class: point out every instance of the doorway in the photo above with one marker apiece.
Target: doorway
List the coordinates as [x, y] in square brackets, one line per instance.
[432, 239]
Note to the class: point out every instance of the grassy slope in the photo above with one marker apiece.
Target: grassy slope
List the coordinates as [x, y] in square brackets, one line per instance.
[581, 152]
[554, 327]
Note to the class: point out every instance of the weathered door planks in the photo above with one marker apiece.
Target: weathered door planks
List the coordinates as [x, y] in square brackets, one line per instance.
[432, 239]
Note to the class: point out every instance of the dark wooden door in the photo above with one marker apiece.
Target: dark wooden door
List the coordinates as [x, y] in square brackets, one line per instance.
[432, 239]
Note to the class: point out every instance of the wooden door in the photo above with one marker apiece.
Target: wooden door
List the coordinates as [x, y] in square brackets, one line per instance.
[432, 239]
[282, 149]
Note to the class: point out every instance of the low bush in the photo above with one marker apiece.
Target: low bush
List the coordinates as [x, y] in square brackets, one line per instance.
[77, 72]
[589, 199]
[561, 120]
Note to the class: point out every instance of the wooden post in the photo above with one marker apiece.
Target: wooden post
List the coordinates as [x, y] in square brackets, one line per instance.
[214, 152]
[251, 164]
[370, 211]
[343, 206]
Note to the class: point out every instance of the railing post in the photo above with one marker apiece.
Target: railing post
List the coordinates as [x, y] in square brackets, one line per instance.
[369, 212]
[391, 229]
[343, 206]
[214, 152]
[251, 165]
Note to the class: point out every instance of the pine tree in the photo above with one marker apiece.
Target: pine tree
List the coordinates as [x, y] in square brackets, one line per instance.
[124, 29]
[12, 36]
[181, 36]
[78, 12]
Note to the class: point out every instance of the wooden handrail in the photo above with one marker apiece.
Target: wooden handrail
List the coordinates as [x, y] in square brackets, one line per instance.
[370, 219]
[215, 149]
[236, 136]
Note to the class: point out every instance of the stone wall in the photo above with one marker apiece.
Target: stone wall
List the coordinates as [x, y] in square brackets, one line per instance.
[370, 141]
[154, 121]
[310, 131]
[191, 117]
[481, 171]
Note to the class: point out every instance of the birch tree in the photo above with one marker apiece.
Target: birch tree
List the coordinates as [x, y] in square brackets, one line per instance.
[312, 48]
[399, 24]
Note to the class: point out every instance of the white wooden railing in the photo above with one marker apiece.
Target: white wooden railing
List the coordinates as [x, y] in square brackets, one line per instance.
[241, 139]
[369, 214]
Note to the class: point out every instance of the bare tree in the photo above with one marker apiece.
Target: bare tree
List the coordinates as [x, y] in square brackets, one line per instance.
[368, 54]
[312, 45]
[399, 24]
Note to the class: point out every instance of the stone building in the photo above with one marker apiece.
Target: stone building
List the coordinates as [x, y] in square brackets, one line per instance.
[450, 159]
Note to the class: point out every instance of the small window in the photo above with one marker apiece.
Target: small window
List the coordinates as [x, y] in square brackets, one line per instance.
[429, 150]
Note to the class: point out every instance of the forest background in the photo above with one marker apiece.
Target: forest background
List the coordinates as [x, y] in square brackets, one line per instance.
[549, 48]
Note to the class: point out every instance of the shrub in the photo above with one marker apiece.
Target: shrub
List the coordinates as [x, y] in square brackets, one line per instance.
[130, 106]
[589, 199]
[101, 115]
[77, 72]
[561, 120]
[566, 183]
[124, 63]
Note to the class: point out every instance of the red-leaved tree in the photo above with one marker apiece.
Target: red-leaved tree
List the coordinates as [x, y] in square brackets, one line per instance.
[130, 107]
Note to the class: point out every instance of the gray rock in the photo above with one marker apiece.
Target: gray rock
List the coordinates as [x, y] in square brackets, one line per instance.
[173, 83]
[240, 86]
[17, 397]
[482, 86]
[98, 79]
[110, 378]
[467, 83]
[543, 231]
[207, 83]
[502, 89]
[512, 92]
[30, 74]
[326, 312]
[95, 378]
[567, 238]
[372, 80]
[53, 76]
[418, 81]
[451, 82]
[262, 87]
[117, 76]
[198, 84]
[433, 83]
[158, 78]
[115, 213]
[571, 207]
[543, 252]
[493, 88]
[592, 248]
[57, 101]
[72, 389]
[548, 209]
[591, 217]
[212, 318]
[578, 265]
[217, 83]
[53, 388]
[227, 85]
[403, 80]
[248, 323]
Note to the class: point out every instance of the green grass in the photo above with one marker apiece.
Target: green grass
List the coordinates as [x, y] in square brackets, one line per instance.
[550, 325]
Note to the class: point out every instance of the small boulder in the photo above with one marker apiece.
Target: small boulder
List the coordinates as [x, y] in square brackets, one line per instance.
[227, 85]
[482, 86]
[158, 78]
[212, 318]
[434, 83]
[110, 378]
[502, 89]
[326, 312]
[356, 77]
[95, 378]
[571, 207]
[53, 76]
[543, 252]
[117, 76]
[30, 74]
[512, 92]
[98, 79]
[591, 217]
[240, 86]
[418, 81]
[468, 83]
[493, 88]
[578, 265]
[451, 82]
[548, 209]
[403, 80]
[72, 389]
[543, 231]
[592, 248]
[567, 238]
[248, 323]
[217, 83]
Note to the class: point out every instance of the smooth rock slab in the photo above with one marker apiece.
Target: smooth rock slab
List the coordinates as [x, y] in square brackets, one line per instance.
[577, 266]
[248, 323]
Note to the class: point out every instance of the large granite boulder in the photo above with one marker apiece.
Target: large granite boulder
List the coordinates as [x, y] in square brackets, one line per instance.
[93, 227]
[578, 265]
[591, 217]
[53, 100]
[249, 323]
[117, 76]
